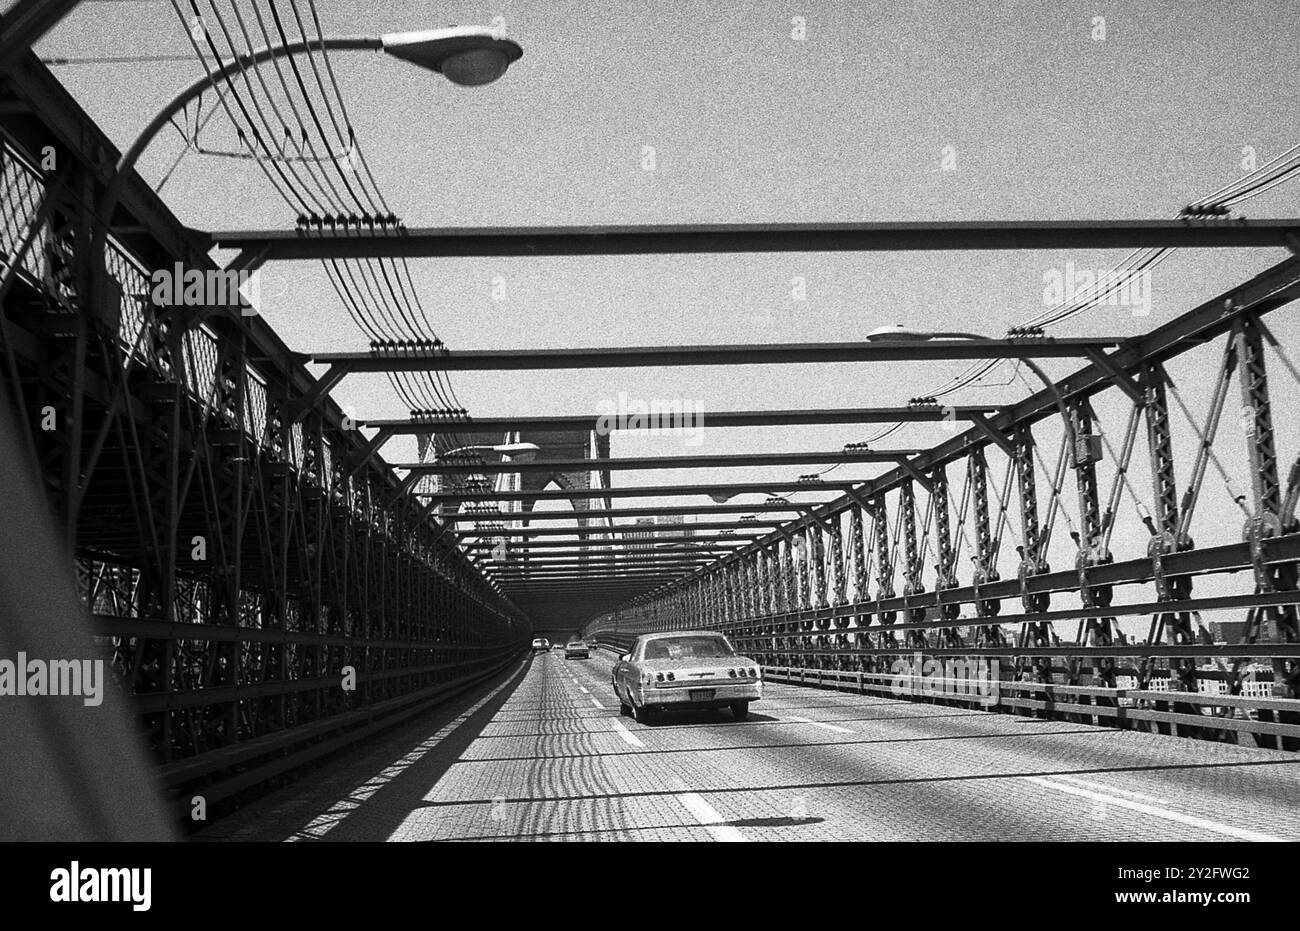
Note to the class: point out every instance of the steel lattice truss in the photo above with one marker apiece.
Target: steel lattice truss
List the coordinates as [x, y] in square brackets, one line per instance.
[237, 559]
[918, 559]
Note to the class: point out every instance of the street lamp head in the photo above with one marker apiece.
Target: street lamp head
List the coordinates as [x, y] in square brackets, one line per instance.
[518, 452]
[896, 332]
[465, 55]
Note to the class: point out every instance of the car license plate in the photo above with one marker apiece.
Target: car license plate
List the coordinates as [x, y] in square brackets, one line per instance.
[701, 694]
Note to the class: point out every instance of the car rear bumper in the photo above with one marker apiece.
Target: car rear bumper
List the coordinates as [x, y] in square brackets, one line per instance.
[680, 698]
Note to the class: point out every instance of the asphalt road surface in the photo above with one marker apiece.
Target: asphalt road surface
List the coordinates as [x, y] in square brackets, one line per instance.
[544, 755]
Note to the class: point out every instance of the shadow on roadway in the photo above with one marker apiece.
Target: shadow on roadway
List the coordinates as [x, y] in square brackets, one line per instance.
[357, 816]
[720, 716]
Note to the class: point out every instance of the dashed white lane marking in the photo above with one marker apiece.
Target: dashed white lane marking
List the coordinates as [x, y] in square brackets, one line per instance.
[1154, 810]
[583, 690]
[1088, 784]
[627, 735]
[708, 816]
[828, 727]
[597, 703]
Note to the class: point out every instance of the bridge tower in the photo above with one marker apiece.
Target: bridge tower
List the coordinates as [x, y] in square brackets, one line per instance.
[554, 446]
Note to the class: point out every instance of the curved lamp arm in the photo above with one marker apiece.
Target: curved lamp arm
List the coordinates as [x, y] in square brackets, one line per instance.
[1043, 377]
[126, 163]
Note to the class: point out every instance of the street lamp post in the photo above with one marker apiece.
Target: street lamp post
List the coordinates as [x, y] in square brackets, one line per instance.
[465, 55]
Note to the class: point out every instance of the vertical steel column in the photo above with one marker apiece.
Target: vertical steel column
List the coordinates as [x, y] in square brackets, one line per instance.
[912, 581]
[819, 576]
[884, 575]
[984, 557]
[802, 561]
[1266, 520]
[1092, 551]
[1032, 561]
[770, 578]
[1165, 529]
[945, 569]
[858, 549]
[808, 577]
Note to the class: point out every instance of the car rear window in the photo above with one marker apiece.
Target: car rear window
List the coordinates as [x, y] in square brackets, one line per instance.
[673, 648]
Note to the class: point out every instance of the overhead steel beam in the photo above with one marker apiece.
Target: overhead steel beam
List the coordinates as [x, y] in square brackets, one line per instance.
[605, 357]
[595, 557]
[917, 413]
[554, 594]
[499, 570]
[594, 560]
[586, 566]
[642, 491]
[638, 463]
[565, 605]
[562, 581]
[608, 544]
[466, 517]
[560, 588]
[601, 557]
[23, 24]
[558, 550]
[570, 572]
[561, 584]
[577, 575]
[585, 570]
[361, 242]
[622, 531]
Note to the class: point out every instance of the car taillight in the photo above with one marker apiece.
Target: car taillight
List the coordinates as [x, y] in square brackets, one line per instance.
[754, 673]
[671, 677]
[659, 677]
[731, 673]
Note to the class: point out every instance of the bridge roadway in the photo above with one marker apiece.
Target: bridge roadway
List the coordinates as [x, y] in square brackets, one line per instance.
[544, 755]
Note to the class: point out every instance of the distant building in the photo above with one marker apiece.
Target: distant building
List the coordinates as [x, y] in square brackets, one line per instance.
[642, 538]
[1228, 631]
[674, 526]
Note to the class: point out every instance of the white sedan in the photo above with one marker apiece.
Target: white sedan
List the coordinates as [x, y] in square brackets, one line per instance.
[685, 670]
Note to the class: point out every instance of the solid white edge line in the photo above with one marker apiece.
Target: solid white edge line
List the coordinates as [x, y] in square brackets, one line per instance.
[1155, 811]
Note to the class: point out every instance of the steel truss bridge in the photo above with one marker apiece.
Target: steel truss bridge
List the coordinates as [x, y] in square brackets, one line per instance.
[238, 542]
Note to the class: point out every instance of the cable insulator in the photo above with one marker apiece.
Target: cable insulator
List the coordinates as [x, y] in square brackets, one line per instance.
[1203, 211]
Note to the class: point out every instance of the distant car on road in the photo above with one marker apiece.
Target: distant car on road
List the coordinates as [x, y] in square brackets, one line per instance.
[685, 670]
[541, 645]
[576, 648]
